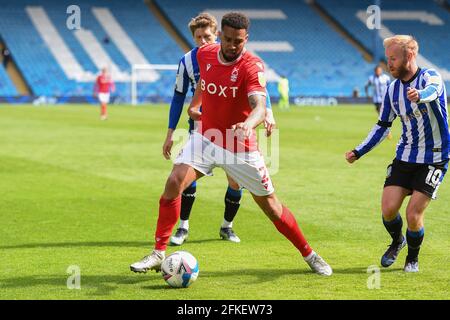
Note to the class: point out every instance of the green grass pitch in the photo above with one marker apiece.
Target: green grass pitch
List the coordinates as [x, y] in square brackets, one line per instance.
[76, 191]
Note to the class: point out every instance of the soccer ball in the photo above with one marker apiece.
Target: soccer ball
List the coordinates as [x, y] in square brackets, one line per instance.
[180, 269]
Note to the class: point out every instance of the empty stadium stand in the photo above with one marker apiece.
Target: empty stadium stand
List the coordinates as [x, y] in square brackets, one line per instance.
[292, 39]
[290, 36]
[7, 88]
[427, 21]
[56, 61]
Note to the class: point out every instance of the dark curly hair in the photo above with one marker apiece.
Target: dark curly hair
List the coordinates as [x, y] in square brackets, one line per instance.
[235, 20]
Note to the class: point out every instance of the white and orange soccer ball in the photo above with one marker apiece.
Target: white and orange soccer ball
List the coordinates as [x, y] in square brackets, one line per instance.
[180, 269]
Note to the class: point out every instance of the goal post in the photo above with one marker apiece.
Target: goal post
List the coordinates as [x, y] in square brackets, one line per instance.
[151, 75]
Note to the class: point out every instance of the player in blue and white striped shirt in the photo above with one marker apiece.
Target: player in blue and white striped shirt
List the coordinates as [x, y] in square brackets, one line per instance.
[204, 31]
[418, 97]
[379, 81]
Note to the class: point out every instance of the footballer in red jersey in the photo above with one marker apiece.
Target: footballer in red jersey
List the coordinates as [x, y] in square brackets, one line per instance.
[232, 94]
[224, 84]
[104, 85]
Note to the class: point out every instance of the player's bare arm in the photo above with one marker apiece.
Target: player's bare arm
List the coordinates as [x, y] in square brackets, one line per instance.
[269, 122]
[195, 115]
[168, 143]
[258, 104]
[194, 108]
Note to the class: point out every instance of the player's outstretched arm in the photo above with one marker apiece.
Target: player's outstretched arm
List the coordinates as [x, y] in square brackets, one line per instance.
[194, 108]
[378, 133]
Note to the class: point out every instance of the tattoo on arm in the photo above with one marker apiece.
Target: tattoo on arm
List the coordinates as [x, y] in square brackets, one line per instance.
[258, 104]
[256, 99]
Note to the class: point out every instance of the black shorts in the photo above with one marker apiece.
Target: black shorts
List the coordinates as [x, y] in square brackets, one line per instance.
[377, 106]
[421, 177]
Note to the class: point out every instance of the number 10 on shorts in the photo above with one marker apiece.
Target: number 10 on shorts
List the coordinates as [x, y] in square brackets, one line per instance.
[434, 176]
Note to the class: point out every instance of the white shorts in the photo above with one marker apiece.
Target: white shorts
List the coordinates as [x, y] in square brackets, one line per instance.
[246, 168]
[103, 97]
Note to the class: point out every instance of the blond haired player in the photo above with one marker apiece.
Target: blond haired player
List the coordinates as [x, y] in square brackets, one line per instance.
[419, 99]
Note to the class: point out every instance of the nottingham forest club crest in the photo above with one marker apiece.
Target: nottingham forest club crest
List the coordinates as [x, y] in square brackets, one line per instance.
[234, 74]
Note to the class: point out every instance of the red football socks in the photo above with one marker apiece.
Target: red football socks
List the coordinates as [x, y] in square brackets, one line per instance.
[169, 212]
[287, 226]
[103, 109]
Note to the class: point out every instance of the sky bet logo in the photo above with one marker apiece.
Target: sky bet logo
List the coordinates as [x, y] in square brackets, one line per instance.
[415, 114]
[222, 91]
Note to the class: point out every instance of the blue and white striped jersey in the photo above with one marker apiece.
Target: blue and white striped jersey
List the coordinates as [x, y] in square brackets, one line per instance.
[425, 137]
[188, 75]
[379, 86]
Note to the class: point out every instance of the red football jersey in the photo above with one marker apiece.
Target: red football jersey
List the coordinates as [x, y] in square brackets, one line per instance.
[104, 84]
[225, 91]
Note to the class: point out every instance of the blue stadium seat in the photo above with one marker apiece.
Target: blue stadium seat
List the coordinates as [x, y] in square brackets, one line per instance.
[7, 88]
[434, 39]
[322, 63]
[46, 77]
